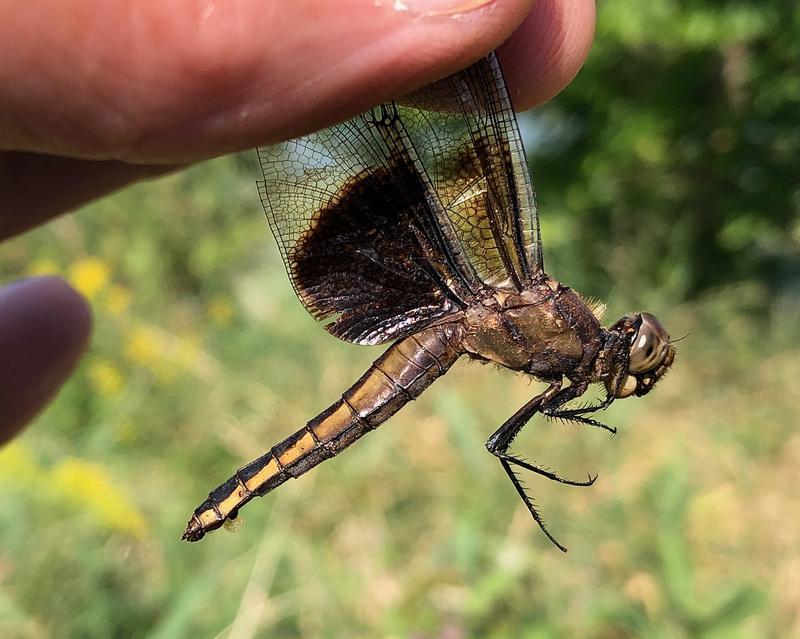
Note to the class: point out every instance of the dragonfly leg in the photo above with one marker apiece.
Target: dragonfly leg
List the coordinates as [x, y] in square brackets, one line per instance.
[545, 472]
[585, 410]
[499, 443]
[578, 416]
[501, 440]
[529, 503]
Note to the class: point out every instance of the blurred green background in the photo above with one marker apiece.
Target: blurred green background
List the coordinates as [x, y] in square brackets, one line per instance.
[668, 179]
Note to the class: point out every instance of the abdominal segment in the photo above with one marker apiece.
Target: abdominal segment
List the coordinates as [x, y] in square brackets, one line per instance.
[400, 375]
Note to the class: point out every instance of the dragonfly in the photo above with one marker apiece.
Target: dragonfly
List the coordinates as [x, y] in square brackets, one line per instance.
[415, 224]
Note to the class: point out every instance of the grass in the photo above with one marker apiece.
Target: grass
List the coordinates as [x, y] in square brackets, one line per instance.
[203, 358]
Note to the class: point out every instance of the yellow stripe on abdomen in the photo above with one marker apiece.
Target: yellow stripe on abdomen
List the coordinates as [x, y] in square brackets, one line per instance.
[398, 376]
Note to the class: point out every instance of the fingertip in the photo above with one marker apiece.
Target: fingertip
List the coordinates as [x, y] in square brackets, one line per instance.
[51, 307]
[44, 330]
[548, 49]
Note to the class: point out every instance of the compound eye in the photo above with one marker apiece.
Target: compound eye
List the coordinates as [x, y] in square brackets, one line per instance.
[649, 346]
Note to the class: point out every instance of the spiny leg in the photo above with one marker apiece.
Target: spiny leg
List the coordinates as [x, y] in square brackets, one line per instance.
[529, 503]
[577, 416]
[500, 441]
[546, 403]
[544, 472]
[578, 413]
[589, 408]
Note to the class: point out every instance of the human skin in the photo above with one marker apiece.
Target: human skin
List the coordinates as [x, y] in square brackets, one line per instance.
[96, 95]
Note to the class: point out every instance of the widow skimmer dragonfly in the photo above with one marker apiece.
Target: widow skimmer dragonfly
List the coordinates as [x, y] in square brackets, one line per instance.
[415, 224]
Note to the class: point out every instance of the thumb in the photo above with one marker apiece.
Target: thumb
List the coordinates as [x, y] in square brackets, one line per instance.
[44, 329]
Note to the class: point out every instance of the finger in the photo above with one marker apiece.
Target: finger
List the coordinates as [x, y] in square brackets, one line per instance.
[44, 329]
[547, 50]
[171, 82]
[539, 59]
[35, 187]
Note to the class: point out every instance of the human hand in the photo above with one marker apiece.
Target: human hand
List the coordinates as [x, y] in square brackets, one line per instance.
[98, 95]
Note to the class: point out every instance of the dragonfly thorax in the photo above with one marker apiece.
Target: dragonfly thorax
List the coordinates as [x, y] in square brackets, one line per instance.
[546, 331]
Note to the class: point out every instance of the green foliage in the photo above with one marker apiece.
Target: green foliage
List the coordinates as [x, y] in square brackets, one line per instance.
[681, 168]
[667, 178]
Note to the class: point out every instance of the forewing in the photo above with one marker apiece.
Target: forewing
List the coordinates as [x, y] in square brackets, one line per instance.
[406, 213]
[466, 136]
[352, 217]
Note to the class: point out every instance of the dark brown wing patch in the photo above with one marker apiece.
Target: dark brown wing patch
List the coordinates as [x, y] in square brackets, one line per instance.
[363, 239]
[361, 262]
[408, 212]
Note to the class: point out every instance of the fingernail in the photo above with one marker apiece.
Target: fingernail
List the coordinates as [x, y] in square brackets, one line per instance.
[433, 8]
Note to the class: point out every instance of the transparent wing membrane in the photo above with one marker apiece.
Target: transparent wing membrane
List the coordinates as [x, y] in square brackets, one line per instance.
[402, 215]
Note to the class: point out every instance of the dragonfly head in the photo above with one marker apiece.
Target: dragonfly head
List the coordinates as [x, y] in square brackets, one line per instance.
[650, 354]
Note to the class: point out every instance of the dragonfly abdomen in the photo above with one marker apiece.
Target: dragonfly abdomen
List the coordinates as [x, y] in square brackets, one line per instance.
[398, 376]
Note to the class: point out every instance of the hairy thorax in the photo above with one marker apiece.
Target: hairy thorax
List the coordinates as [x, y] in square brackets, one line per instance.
[546, 330]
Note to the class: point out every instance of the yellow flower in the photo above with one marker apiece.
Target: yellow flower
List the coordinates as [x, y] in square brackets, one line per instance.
[89, 275]
[118, 299]
[105, 378]
[220, 310]
[90, 488]
[143, 346]
[43, 267]
[17, 464]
